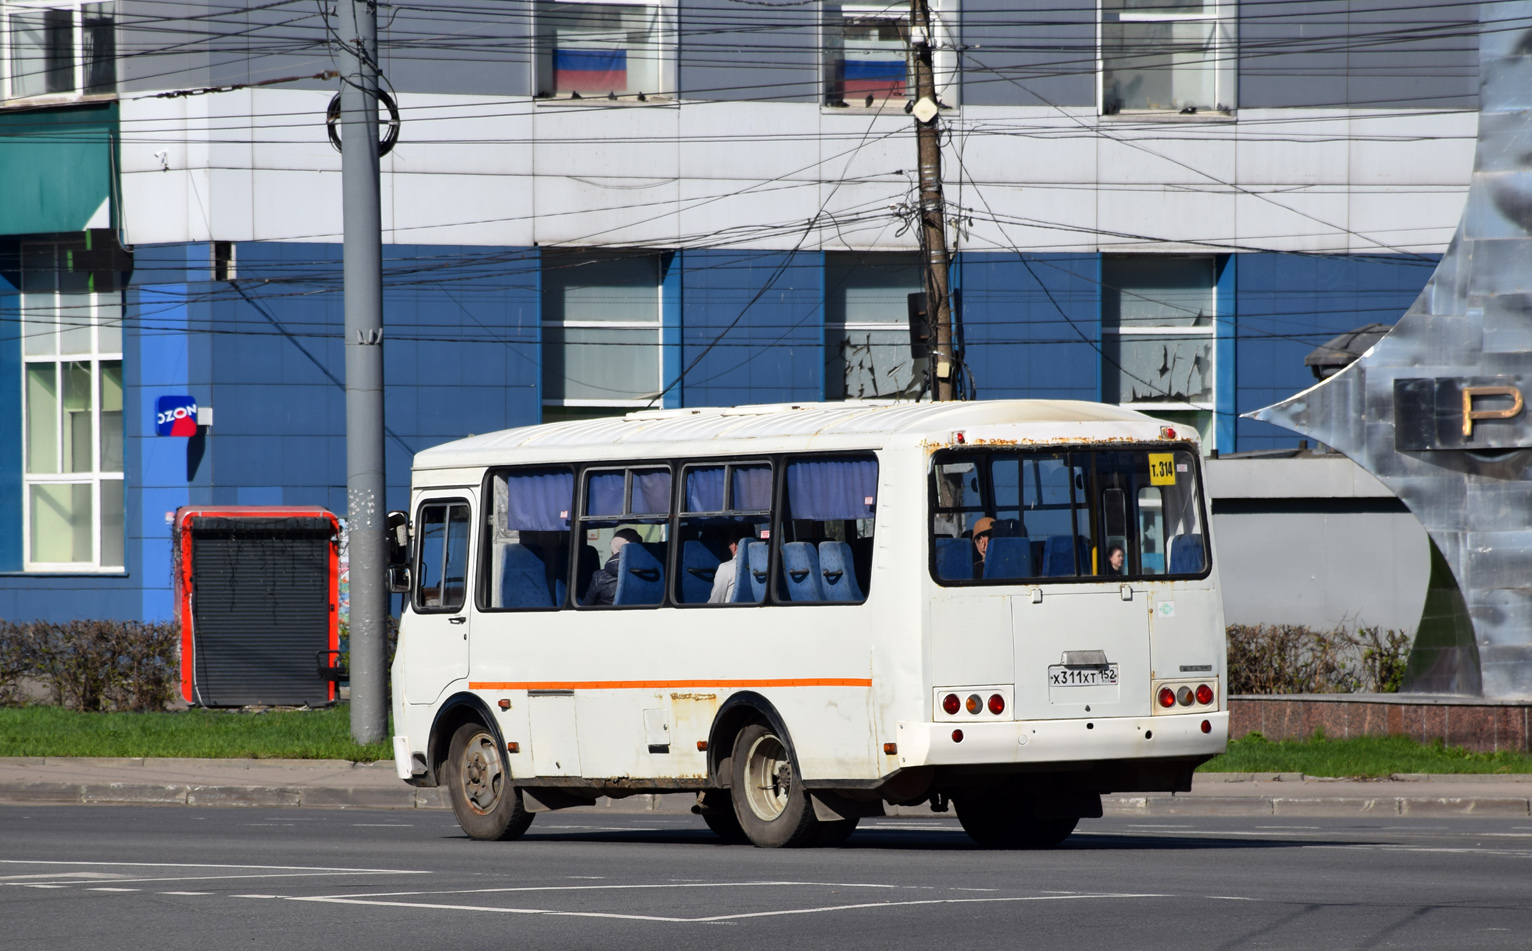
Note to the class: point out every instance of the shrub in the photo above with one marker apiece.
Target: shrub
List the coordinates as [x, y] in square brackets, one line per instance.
[91, 665]
[1290, 658]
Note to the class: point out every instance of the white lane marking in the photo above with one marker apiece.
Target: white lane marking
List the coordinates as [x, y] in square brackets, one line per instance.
[45, 886]
[1287, 827]
[382, 825]
[104, 889]
[209, 878]
[595, 888]
[186, 893]
[712, 918]
[913, 826]
[13, 879]
[1514, 853]
[280, 868]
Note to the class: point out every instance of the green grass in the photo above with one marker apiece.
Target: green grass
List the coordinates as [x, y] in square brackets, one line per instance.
[287, 734]
[1360, 756]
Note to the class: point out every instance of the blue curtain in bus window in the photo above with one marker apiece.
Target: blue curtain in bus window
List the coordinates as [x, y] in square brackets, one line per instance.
[752, 488]
[704, 489]
[651, 492]
[539, 501]
[824, 489]
[604, 494]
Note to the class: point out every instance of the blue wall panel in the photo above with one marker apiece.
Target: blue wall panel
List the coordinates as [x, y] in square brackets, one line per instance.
[1288, 304]
[751, 327]
[1032, 325]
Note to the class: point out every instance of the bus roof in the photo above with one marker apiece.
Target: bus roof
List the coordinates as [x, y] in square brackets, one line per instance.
[775, 427]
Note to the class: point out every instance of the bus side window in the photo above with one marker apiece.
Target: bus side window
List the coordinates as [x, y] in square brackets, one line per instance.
[826, 538]
[633, 504]
[725, 507]
[527, 563]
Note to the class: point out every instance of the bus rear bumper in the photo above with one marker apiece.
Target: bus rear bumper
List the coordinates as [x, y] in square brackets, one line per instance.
[1061, 741]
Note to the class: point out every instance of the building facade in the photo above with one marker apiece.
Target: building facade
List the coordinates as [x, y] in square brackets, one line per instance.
[599, 207]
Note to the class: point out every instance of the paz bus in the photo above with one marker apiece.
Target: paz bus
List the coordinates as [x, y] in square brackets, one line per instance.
[802, 613]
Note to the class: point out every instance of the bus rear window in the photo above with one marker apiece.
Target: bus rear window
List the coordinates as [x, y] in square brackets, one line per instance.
[1000, 517]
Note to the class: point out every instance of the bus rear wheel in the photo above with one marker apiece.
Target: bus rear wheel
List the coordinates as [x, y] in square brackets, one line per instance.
[999, 821]
[769, 800]
[486, 803]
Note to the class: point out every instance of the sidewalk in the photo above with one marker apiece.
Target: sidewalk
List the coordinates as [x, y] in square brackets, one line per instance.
[340, 784]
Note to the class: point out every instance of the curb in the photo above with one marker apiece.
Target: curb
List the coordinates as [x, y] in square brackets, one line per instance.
[406, 797]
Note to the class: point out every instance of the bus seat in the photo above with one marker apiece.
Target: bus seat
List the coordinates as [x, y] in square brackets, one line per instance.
[1186, 554]
[800, 568]
[1007, 528]
[756, 559]
[954, 559]
[1008, 556]
[1059, 556]
[698, 565]
[837, 569]
[745, 589]
[523, 579]
[640, 576]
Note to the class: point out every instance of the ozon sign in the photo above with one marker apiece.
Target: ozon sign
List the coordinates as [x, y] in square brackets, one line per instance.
[175, 416]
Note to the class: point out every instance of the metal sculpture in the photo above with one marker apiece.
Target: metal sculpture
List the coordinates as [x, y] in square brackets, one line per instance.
[1436, 409]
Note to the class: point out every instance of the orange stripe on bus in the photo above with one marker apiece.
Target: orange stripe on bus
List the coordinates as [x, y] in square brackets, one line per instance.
[666, 684]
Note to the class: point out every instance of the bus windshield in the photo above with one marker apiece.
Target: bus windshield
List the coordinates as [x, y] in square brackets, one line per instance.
[1002, 516]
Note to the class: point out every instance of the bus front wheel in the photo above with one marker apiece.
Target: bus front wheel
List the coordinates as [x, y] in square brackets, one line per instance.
[996, 821]
[769, 800]
[486, 803]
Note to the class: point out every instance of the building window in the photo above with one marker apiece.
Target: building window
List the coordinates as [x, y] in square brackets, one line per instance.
[602, 50]
[71, 411]
[867, 329]
[59, 49]
[867, 56]
[1167, 56]
[1158, 335]
[601, 331]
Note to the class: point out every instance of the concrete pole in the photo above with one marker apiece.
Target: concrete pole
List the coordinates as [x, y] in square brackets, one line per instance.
[932, 205]
[366, 508]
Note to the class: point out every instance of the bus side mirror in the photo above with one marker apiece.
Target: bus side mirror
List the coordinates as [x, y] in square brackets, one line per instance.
[399, 579]
[398, 533]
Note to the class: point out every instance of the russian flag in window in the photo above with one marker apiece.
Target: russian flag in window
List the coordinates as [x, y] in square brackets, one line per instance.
[882, 78]
[599, 71]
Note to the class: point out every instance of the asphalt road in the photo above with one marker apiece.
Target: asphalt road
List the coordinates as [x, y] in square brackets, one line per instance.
[101, 877]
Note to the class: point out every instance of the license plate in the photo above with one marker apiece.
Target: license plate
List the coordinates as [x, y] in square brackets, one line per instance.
[1061, 676]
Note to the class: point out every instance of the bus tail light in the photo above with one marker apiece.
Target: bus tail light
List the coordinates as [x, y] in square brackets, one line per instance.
[951, 704]
[1207, 727]
[1167, 697]
[975, 704]
[957, 736]
[1204, 694]
[996, 704]
[1185, 696]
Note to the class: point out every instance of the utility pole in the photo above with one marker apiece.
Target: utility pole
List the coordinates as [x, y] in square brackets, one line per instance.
[933, 225]
[366, 509]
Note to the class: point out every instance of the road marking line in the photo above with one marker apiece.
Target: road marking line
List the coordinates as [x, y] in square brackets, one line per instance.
[709, 918]
[105, 889]
[186, 893]
[209, 878]
[284, 868]
[14, 879]
[590, 888]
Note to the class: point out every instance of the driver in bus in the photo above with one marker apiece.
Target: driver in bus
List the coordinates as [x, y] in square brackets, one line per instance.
[1114, 559]
[603, 583]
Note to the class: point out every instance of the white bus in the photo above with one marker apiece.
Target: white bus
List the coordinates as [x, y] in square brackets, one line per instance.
[1009, 606]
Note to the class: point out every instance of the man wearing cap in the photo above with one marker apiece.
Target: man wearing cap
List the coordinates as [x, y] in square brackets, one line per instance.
[603, 584]
[981, 533]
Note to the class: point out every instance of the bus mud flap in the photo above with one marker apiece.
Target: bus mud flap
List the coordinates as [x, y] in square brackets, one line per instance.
[831, 807]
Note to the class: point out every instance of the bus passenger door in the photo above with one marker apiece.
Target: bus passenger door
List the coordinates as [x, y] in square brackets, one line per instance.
[436, 646]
